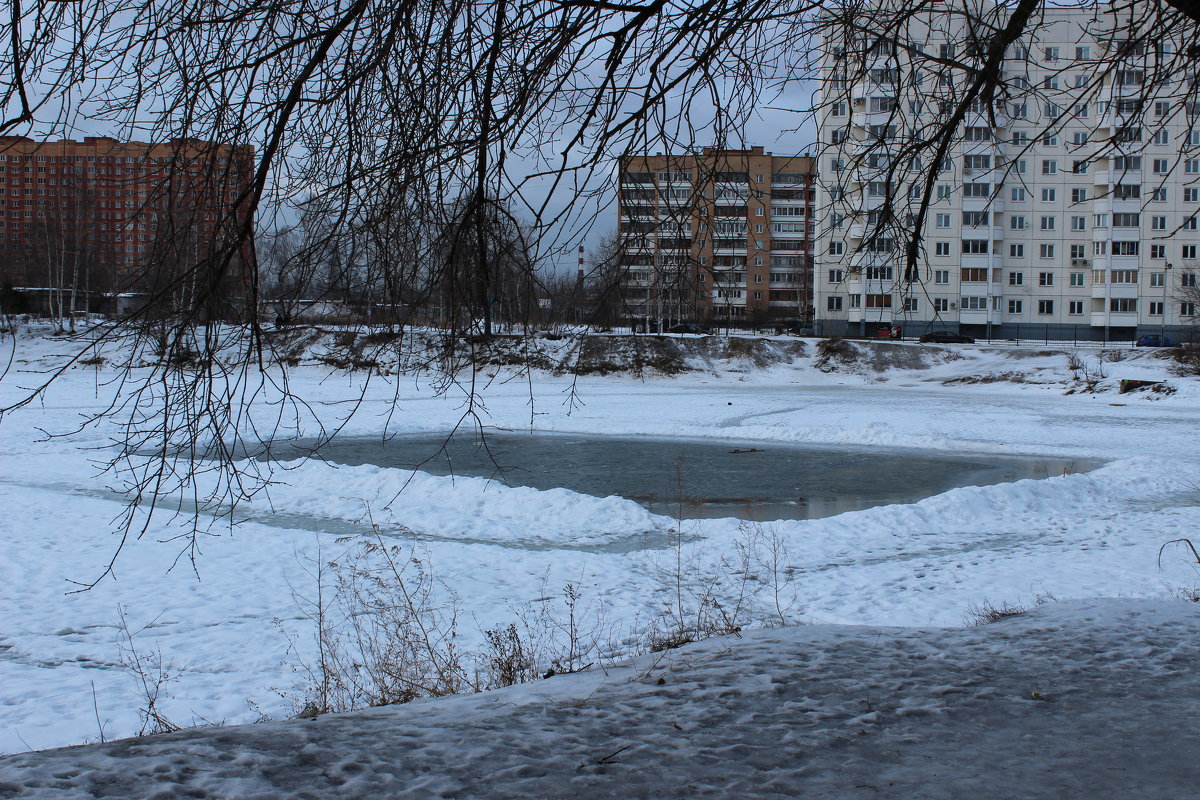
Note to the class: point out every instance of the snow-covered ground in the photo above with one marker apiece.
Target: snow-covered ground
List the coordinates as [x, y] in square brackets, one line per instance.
[224, 632]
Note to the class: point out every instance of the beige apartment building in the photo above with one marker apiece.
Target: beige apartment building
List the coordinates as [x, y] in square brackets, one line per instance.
[721, 236]
[1067, 207]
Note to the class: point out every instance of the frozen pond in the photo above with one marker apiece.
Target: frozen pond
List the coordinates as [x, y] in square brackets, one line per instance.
[696, 478]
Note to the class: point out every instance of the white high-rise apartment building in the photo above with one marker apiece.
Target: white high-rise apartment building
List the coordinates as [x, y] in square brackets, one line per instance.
[1065, 206]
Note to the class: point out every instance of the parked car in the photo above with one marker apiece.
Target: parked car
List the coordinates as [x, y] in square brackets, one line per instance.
[1154, 340]
[945, 337]
[686, 327]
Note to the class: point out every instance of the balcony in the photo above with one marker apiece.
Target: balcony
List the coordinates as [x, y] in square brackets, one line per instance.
[978, 260]
[1129, 177]
[982, 204]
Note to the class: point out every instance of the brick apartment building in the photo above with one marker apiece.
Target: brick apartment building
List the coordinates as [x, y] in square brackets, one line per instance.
[723, 235]
[102, 216]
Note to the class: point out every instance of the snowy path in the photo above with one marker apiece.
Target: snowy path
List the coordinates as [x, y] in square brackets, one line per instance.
[1072, 700]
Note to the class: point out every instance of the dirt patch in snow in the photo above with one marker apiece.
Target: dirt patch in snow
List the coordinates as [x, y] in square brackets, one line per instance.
[841, 355]
[389, 353]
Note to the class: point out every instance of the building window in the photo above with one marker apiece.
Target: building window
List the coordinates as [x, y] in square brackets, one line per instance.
[1187, 309]
[1017, 223]
[1049, 195]
[1122, 305]
[974, 274]
[1156, 308]
[1049, 167]
[836, 276]
[1188, 251]
[1075, 307]
[1079, 195]
[941, 276]
[833, 303]
[910, 304]
[1158, 251]
[1188, 279]
[1047, 223]
[1016, 278]
[1018, 195]
[941, 248]
[879, 301]
[1014, 306]
[1079, 223]
[1046, 251]
[943, 220]
[941, 304]
[974, 303]
[1077, 279]
[836, 248]
[1045, 306]
[1016, 251]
